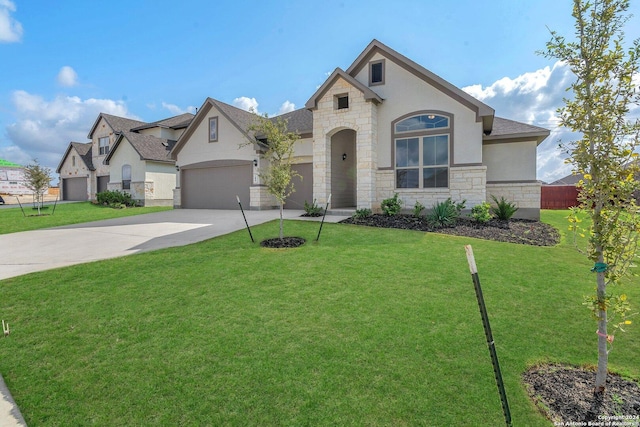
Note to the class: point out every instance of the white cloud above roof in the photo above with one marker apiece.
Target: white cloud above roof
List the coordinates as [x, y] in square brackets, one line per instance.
[246, 103]
[174, 109]
[286, 107]
[43, 128]
[67, 76]
[10, 29]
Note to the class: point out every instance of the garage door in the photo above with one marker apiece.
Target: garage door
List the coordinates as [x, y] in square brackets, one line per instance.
[74, 189]
[303, 187]
[215, 187]
[102, 183]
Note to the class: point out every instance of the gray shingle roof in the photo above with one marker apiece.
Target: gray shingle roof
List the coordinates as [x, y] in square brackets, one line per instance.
[84, 150]
[299, 121]
[119, 124]
[148, 147]
[175, 122]
[505, 128]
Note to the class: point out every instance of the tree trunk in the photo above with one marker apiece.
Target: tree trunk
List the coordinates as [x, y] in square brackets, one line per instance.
[281, 220]
[603, 353]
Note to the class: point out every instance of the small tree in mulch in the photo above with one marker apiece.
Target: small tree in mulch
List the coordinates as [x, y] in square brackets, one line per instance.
[278, 144]
[37, 179]
[602, 95]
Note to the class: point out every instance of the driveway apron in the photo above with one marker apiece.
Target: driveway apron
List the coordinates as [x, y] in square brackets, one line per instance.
[38, 250]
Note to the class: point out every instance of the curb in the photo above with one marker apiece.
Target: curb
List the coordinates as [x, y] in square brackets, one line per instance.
[10, 414]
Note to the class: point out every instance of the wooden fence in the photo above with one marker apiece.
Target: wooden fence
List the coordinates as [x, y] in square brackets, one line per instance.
[558, 196]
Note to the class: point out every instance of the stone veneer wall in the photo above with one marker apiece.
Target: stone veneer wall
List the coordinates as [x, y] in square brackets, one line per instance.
[260, 199]
[526, 197]
[361, 116]
[465, 182]
[177, 198]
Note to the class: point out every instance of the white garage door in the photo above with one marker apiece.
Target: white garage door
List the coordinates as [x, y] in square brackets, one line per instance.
[216, 187]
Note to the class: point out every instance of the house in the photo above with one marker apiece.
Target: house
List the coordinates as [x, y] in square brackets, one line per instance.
[125, 155]
[384, 125]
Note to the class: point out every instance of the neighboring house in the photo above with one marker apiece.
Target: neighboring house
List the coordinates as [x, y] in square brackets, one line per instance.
[12, 179]
[385, 125]
[126, 155]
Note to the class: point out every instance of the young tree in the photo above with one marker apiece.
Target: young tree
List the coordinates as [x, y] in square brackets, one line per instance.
[37, 180]
[279, 145]
[603, 93]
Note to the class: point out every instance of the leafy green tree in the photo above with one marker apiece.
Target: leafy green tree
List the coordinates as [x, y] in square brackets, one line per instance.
[603, 93]
[37, 179]
[278, 144]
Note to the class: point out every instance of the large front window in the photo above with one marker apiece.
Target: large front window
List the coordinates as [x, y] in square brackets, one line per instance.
[422, 157]
[103, 144]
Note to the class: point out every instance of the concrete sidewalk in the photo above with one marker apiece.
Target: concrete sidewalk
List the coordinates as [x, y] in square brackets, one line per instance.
[39, 250]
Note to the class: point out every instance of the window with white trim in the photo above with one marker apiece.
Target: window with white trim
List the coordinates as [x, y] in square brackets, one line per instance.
[422, 156]
[103, 146]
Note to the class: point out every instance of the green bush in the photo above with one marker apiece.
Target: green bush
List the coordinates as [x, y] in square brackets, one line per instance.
[362, 213]
[312, 209]
[445, 214]
[481, 213]
[417, 209]
[392, 205]
[115, 199]
[504, 209]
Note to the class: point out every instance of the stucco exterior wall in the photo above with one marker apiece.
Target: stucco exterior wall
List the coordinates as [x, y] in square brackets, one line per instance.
[403, 93]
[510, 161]
[163, 177]
[198, 148]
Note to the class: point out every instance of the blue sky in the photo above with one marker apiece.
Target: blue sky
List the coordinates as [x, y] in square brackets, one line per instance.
[65, 62]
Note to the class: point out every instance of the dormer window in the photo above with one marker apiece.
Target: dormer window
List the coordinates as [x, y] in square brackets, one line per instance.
[376, 73]
[103, 146]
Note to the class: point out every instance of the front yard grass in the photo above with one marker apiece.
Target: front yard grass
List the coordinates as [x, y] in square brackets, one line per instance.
[12, 220]
[369, 326]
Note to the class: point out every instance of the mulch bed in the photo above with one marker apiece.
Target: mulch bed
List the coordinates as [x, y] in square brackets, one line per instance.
[521, 231]
[565, 395]
[285, 242]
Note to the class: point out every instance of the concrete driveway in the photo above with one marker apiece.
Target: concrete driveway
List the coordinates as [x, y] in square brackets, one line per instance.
[29, 251]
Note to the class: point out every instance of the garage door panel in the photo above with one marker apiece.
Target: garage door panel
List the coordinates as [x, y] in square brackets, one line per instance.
[216, 188]
[74, 189]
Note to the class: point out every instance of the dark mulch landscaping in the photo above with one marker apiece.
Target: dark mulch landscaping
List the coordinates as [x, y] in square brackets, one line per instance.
[521, 231]
[285, 242]
[565, 395]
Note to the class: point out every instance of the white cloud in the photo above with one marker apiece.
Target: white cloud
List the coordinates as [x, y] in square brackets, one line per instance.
[10, 29]
[286, 107]
[174, 109]
[67, 76]
[43, 128]
[247, 104]
[534, 98]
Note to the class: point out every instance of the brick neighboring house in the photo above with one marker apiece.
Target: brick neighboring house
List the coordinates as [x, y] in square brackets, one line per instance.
[123, 154]
[384, 125]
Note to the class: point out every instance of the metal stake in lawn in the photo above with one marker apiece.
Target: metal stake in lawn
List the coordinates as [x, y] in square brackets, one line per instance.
[487, 332]
[21, 208]
[245, 219]
[325, 214]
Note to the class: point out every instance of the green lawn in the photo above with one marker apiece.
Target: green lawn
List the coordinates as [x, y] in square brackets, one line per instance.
[367, 327]
[13, 220]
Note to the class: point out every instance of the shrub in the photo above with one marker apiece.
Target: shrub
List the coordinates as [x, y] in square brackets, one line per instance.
[504, 209]
[362, 213]
[481, 213]
[312, 209]
[392, 205]
[417, 209]
[445, 214]
[115, 199]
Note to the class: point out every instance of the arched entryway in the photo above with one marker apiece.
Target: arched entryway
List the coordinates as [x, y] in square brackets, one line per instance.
[343, 169]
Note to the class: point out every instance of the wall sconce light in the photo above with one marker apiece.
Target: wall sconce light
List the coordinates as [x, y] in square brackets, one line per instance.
[344, 156]
[178, 168]
[255, 162]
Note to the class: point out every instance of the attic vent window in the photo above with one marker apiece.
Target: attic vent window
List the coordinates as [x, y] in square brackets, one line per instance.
[376, 73]
[343, 102]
